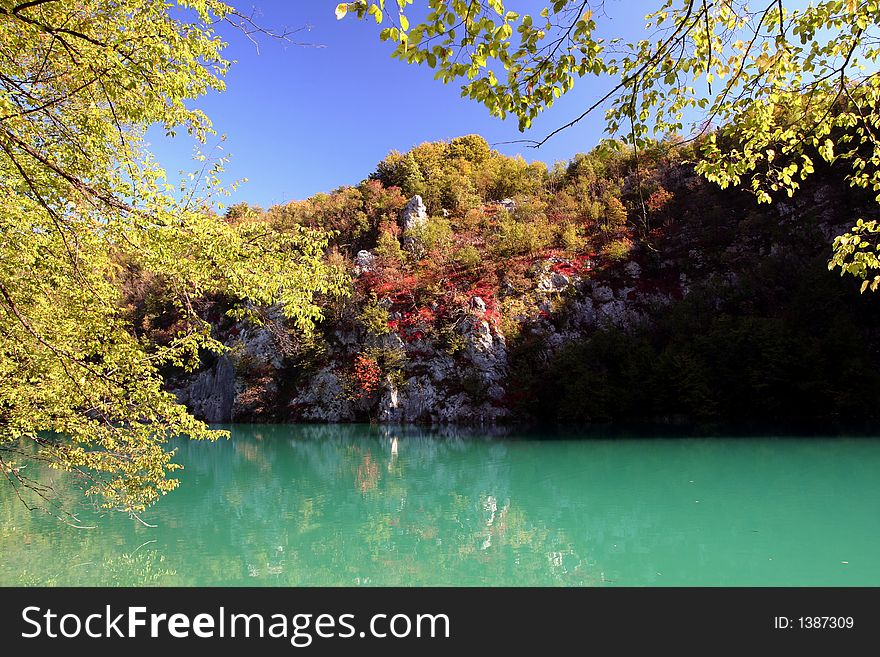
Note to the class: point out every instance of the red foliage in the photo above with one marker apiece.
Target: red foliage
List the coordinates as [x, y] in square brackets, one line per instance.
[415, 324]
[391, 227]
[389, 283]
[563, 263]
[433, 292]
[487, 291]
[367, 374]
[575, 266]
[659, 200]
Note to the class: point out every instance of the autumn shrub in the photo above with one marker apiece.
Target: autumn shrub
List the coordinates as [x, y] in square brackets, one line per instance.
[468, 257]
[401, 171]
[585, 168]
[516, 238]
[515, 310]
[352, 214]
[392, 360]
[374, 316]
[613, 216]
[381, 204]
[472, 148]
[431, 158]
[417, 324]
[530, 208]
[450, 339]
[391, 282]
[658, 200]
[503, 177]
[148, 302]
[562, 206]
[367, 376]
[434, 233]
[388, 248]
[241, 212]
[617, 249]
[455, 193]
[258, 397]
[475, 222]
[568, 238]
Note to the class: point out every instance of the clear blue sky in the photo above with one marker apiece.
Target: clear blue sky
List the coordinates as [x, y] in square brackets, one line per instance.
[301, 120]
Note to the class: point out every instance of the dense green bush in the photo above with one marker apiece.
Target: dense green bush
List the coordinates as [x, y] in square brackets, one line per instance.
[617, 250]
[568, 237]
[436, 232]
[516, 238]
[401, 171]
[468, 257]
[472, 148]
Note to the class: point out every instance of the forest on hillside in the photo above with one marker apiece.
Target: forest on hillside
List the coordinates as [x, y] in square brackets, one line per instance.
[607, 288]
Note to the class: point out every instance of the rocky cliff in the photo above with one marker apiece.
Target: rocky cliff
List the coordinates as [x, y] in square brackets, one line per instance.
[464, 328]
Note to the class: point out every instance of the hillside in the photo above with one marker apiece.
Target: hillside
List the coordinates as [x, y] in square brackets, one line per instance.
[610, 288]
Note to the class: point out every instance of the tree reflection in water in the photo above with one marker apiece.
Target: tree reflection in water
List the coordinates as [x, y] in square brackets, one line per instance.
[312, 505]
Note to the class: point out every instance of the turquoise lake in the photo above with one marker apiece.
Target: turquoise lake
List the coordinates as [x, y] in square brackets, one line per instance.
[289, 505]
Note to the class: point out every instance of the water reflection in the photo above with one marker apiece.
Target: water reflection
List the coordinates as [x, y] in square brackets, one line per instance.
[360, 505]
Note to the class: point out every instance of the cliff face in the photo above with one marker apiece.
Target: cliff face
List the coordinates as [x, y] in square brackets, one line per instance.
[700, 305]
[429, 385]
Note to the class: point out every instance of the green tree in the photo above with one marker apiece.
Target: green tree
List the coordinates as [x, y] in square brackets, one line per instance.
[402, 171]
[80, 196]
[472, 148]
[613, 215]
[788, 85]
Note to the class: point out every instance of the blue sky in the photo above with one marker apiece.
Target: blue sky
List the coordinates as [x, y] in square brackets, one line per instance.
[301, 120]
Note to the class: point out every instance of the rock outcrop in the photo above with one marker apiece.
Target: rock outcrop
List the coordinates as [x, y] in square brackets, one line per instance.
[413, 214]
[364, 262]
[211, 395]
[440, 389]
[323, 399]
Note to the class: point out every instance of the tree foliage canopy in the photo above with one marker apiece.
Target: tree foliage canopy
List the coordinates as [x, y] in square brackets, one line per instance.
[80, 200]
[787, 85]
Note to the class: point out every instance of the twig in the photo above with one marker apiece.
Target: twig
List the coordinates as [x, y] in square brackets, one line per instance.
[142, 521]
[142, 545]
[249, 27]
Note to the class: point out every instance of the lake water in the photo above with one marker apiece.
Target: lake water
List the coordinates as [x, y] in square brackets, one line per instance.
[360, 505]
